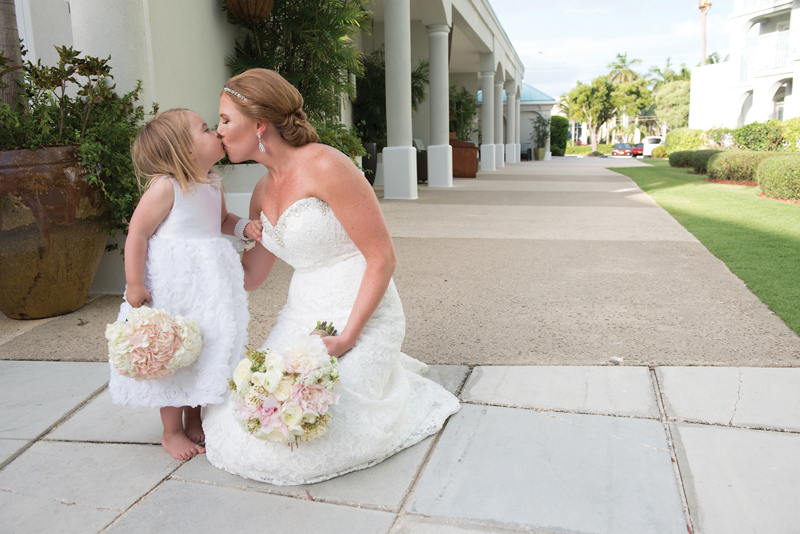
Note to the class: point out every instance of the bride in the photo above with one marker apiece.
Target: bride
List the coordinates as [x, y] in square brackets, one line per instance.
[321, 216]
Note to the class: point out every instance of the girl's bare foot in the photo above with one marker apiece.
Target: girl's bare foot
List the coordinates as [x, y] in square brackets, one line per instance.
[179, 446]
[193, 424]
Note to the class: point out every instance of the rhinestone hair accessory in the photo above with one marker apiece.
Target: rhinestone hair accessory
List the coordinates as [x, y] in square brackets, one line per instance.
[234, 93]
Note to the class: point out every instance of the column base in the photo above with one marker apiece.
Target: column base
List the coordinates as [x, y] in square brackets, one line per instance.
[488, 153]
[512, 153]
[548, 155]
[440, 166]
[498, 157]
[400, 172]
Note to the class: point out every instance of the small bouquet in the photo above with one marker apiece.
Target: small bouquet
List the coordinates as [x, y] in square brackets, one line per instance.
[284, 396]
[150, 344]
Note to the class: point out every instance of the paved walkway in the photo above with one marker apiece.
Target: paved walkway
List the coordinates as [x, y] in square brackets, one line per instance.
[519, 287]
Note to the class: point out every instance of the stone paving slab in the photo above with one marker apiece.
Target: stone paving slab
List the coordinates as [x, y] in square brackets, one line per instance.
[102, 421]
[8, 447]
[595, 199]
[552, 471]
[624, 391]
[34, 395]
[751, 397]
[417, 524]
[382, 486]
[450, 377]
[624, 185]
[90, 474]
[23, 514]
[187, 507]
[739, 480]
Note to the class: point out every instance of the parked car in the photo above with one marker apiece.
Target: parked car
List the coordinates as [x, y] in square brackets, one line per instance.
[622, 149]
[649, 143]
[638, 149]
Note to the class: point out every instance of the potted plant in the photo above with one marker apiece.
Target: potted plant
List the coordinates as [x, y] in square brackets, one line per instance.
[539, 136]
[463, 110]
[66, 181]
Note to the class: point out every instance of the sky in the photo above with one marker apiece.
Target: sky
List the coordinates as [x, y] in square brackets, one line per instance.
[563, 41]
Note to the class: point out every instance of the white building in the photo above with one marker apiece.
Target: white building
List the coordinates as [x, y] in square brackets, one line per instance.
[755, 85]
[178, 49]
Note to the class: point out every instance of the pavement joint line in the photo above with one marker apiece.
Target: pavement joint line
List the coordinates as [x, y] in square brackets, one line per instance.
[402, 510]
[302, 496]
[140, 499]
[55, 425]
[494, 526]
[739, 427]
[61, 501]
[555, 410]
[100, 442]
[464, 380]
[738, 398]
[671, 445]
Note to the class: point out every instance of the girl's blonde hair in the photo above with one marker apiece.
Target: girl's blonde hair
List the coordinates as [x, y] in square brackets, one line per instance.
[265, 96]
[164, 147]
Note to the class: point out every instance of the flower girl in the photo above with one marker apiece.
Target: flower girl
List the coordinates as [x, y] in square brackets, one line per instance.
[176, 259]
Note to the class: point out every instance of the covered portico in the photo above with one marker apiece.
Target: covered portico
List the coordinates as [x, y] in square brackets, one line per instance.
[464, 44]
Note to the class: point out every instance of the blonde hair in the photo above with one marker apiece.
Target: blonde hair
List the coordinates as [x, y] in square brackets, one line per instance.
[265, 96]
[164, 147]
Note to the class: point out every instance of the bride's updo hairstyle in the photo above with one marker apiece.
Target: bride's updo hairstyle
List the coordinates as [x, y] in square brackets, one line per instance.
[265, 96]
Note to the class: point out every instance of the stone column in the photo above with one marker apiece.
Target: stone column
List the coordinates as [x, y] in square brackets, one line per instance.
[440, 153]
[498, 124]
[512, 151]
[519, 126]
[399, 157]
[547, 155]
[488, 154]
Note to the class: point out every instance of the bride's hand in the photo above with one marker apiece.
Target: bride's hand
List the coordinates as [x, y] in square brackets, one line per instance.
[337, 345]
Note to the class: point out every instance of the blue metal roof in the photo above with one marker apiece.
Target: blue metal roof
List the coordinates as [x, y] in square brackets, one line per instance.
[527, 93]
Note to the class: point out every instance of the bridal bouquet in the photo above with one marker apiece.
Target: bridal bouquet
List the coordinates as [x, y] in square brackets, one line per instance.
[284, 396]
[150, 344]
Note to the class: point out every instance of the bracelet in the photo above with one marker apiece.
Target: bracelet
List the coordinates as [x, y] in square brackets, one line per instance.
[238, 230]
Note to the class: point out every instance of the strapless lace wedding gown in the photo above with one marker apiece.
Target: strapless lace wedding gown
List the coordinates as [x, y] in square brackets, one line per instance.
[384, 406]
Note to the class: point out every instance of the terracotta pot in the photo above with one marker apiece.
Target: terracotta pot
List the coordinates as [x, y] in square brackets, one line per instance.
[53, 231]
[250, 10]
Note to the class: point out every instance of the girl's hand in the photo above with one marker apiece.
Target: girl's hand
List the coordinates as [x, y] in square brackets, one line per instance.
[253, 230]
[337, 345]
[137, 295]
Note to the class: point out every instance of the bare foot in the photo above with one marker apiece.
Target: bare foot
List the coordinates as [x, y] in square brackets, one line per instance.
[194, 427]
[179, 446]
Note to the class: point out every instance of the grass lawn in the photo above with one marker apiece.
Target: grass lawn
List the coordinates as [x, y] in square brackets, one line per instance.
[758, 238]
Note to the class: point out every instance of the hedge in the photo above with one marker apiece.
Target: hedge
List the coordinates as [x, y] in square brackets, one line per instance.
[659, 152]
[791, 135]
[700, 160]
[759, 136]
[684, 139]
[779, 177]
[585, 150]
[737, 165]
[559, 133]
[682, 158]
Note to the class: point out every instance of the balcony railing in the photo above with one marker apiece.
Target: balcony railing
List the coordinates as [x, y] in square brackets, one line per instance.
[745, 6]
[775, 50]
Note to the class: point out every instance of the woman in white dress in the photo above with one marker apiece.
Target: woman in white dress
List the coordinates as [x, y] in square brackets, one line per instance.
[321, 216]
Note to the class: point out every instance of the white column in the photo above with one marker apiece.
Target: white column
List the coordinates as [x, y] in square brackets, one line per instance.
[547, 155]
[440, 153]
[512, 151]
[498, 124]
[399, 157]
[488, 154]
[519, 126]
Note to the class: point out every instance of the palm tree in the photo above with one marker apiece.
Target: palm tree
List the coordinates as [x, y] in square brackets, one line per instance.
[9, 49]
[660, 77]
[685, 74]
[703, 6]
[621, 71]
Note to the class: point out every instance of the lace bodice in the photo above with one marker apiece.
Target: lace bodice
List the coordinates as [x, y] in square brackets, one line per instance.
[308, 235]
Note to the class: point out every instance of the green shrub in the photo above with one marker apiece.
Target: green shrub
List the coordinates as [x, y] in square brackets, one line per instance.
[759, 136]
[587, 149]
[596, 153]
[659, 152]
[556, 151]
[779, 177]
[791, 135]
[682, 158]
[700, 160]
[717, 137]
[559, 132]
[684, 139]
[736, 165]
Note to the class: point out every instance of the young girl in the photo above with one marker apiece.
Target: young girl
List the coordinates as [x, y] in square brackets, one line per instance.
[177, 259]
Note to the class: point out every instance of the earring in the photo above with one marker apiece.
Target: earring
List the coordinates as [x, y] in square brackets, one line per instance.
[260, 145]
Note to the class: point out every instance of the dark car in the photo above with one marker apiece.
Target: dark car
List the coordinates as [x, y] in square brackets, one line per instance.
[622, 149]
[638, 150]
